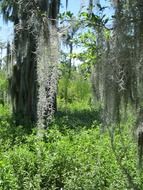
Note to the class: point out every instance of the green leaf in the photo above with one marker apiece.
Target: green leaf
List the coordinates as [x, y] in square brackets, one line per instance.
[84, 14]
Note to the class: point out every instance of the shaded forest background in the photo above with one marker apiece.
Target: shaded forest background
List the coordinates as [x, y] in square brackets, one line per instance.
[71, 88]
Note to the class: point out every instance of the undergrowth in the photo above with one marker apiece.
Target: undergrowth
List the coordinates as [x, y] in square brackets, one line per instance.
[74, 154]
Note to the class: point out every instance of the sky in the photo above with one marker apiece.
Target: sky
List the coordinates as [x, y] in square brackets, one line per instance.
[6, 30]
[73, 6]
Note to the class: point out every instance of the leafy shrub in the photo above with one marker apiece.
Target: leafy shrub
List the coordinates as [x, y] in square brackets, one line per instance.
[79, 92]
[83, 160]
[67, 158]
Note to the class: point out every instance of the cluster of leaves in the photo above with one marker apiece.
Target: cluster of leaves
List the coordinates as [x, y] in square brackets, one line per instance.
[79, 90]
[83, 160]
[67, 158]
[3, 82]
[71, 160]
[86, 26]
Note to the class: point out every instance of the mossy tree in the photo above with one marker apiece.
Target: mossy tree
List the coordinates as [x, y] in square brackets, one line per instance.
[34, 79]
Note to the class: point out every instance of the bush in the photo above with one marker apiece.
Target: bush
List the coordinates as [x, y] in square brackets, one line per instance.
[83, 160]
[74, 93]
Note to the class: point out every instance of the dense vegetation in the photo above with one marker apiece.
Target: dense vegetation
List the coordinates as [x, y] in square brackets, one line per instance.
[75, 153]
[68, 126]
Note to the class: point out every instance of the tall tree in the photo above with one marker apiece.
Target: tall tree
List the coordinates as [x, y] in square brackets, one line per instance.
[120, 58]
[34, 79]
[122, 64]
[68, 41]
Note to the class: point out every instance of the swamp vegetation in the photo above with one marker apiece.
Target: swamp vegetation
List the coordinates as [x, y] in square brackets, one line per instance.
[71, 88]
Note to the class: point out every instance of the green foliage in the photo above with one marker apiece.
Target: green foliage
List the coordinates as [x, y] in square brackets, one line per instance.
[79, 91]
[68, 158]
[77, 152]
[4, 112]
[73, 161]
[3, 82]
[65, 15]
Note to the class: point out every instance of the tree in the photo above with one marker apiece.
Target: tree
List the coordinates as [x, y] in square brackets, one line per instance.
[118, 56]
[34, 79]
[122, 65]
[72, 26]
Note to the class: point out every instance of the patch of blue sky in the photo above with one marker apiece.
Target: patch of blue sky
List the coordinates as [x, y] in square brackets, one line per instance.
[75, 5]
[6, 30]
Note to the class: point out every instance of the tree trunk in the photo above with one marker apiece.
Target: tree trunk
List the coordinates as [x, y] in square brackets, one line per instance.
[34, 80]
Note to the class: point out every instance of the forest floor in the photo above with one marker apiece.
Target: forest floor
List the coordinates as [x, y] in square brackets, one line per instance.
[73, 154]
